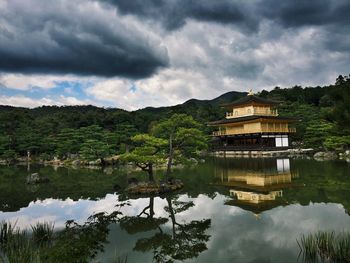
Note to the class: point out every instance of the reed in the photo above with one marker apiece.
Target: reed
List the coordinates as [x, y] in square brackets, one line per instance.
[16, 246]
[43, 234]
[325, 246]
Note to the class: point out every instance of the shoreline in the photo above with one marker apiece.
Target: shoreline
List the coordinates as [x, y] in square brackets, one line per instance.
[113, 162]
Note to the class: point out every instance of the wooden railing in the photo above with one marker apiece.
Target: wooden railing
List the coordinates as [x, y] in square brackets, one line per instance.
[219, 133]
[260, 130]
[230, 115]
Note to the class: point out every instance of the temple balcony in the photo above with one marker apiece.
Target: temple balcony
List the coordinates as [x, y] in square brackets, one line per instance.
[251, 112]
[261, 129]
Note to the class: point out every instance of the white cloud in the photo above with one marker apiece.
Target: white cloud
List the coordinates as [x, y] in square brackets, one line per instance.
[126, 94]
[206, 60]
[45, 82]
[26, 82]
[22, 101]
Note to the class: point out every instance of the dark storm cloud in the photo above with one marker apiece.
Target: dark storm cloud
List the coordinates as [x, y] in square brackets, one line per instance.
[79, 38]
[306, 13]
[243, 14]
[173, 13]
[99, 37]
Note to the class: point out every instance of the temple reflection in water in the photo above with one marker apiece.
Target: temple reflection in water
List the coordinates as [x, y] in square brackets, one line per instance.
[256, 185]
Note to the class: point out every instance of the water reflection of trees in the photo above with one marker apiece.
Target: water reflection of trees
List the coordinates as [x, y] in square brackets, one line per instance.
[183, 241]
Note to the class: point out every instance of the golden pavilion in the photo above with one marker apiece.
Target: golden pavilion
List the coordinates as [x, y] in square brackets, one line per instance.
[252, 123]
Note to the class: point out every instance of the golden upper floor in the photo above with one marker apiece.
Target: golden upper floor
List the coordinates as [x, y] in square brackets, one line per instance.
[251, 110]
[252, 114]
[251, 105]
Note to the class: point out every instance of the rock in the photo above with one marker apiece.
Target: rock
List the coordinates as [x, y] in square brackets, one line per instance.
[325, 156]
[95, 163]
[76, 162]
[347, 152]
[35, 178]
[108, 170]
[193, 160]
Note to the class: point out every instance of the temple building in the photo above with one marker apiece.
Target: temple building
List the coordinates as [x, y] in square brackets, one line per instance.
[252, 123]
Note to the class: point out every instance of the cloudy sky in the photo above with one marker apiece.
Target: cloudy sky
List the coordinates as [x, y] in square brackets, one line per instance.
[133, 54]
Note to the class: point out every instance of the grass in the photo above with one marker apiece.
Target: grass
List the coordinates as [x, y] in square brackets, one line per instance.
[75, 243]
[43, 234]
[16, 246]
[325, 246]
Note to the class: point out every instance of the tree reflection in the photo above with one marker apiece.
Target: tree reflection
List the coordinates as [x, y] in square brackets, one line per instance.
[182, 241]
[136, 224]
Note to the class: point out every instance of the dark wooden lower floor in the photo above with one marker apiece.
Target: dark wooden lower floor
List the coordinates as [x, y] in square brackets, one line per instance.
[261, 141]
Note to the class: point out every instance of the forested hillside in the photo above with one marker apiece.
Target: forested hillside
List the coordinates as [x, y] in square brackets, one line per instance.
[48, 131]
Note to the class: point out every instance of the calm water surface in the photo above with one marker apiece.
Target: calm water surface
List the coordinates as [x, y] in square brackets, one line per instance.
[231, 210]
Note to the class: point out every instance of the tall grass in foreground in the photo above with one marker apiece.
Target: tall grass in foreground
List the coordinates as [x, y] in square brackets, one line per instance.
[16, 245]
[325, 246]
[43, 234]
[75, 243]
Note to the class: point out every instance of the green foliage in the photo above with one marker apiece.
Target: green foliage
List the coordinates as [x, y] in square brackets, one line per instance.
[67, 141]
[16, 245]
[337, 142]
[148, 150]
[80, 243]
[75, 243]
[61, 131]
[317, 132]
[94, 149]
[4, 143]
[185, 139]
[189, 141]
[9, 155]
[122, 136]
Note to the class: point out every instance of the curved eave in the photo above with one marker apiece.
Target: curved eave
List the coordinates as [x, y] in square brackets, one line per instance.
[250, 100]
[250, 119]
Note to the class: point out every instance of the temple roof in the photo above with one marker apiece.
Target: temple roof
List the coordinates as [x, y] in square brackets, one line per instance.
[256, 208]
[250, 99]
[249, 118]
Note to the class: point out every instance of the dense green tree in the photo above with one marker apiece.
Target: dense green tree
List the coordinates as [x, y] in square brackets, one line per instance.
[185, 139]
[9, 155]
[148, 151]
[122, 136]
[53, 130]
[93, 149]
[4, 143]
[336, 142]
[340, 112]
[317, 132]
[68, 142]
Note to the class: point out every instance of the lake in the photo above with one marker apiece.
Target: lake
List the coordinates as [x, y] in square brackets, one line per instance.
[230, 210]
